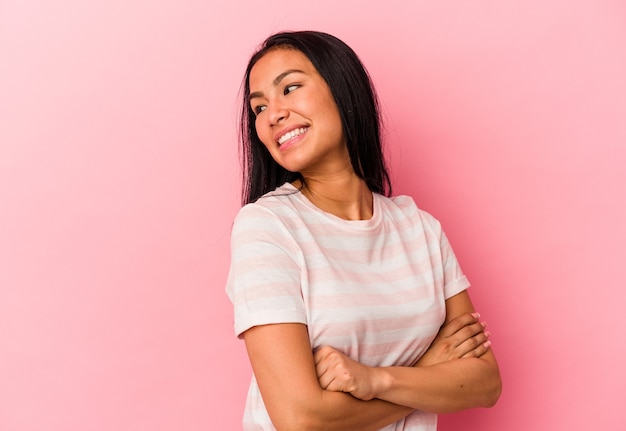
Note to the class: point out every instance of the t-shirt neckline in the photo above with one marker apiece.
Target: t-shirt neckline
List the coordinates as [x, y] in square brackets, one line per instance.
[364, 224]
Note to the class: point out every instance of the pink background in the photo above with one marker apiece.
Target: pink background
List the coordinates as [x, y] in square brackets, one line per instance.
[119, 179]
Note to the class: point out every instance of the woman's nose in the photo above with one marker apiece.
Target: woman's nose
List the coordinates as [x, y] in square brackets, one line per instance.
[277, 113]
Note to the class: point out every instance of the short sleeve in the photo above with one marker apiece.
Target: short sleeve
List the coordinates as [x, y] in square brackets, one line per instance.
[265, 272]
[454, 281]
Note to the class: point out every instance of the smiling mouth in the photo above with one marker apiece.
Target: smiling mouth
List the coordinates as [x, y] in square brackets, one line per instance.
[292, 134]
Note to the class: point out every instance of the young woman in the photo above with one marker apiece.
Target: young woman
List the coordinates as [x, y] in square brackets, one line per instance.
[352, 305]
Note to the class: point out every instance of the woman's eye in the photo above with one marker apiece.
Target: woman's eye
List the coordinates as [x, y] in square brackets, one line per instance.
[290, 88]
[258, 109]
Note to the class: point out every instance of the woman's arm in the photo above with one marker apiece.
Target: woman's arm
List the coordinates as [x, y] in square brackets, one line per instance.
[462, 337]
[444, 387]
[283, 365]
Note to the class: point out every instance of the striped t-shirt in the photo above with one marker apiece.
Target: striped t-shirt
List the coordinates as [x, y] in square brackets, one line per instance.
[374, 289]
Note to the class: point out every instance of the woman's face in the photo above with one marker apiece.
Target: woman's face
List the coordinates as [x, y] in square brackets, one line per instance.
[296, 116]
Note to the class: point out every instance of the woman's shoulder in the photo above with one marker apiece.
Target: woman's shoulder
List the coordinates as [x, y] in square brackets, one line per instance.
[273, 205]
[405, 206]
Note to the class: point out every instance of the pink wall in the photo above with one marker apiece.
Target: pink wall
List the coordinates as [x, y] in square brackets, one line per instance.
[119, 181]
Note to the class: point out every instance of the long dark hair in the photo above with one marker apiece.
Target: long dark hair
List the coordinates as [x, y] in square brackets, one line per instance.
[356, 100]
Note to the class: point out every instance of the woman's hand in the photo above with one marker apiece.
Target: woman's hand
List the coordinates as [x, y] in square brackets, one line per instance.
[462, 337]
[338, 373]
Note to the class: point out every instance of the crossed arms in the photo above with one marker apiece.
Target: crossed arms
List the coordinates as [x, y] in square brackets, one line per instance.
[305, 390]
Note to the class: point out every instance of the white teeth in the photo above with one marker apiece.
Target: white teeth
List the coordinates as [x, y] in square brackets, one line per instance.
[292, 134]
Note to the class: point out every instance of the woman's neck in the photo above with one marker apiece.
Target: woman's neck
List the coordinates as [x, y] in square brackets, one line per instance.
[343, 195]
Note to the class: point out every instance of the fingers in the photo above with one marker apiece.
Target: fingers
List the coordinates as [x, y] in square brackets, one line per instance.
[328, 359]
[338, 373]
[467, 332]
[322, 365]
[459, 323]
[476, 346]
[467, 336]
[479, 351]
[329, 383]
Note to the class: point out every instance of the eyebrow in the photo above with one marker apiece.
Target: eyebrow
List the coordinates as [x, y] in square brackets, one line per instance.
[275, 82]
